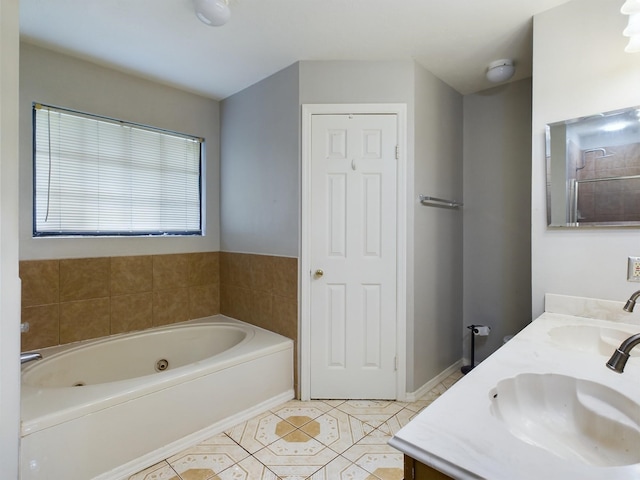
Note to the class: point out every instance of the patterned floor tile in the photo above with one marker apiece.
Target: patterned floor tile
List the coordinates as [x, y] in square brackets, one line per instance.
[399, 420]
[385, 473]
[336, 430]
[247, 469]
[334, 403]
[296, 455]
[298, 413]
[159, 471]
[383, 461]
[208, 458]
[260, 431]
[341, 469]
[452, 379]
[372, 412]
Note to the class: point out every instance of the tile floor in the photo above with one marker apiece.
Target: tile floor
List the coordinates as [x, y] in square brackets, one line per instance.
[316, 440]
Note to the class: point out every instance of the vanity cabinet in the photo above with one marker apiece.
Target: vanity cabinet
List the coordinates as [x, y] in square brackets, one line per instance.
[414, 470]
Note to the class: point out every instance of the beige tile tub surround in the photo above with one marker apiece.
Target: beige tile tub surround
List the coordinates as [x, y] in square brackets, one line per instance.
[76, 299]
[261, 290]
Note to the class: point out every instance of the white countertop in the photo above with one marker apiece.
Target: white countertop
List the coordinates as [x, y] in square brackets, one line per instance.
[459, 436]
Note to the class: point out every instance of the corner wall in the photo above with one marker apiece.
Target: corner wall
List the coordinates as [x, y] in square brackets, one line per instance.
[580, 68]
[435, 260]
[260, 174]
[497, 214]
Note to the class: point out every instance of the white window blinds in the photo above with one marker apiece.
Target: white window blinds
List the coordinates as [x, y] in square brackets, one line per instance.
[98, 176]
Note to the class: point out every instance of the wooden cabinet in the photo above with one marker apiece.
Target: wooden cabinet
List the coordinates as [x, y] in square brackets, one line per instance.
[414, 470]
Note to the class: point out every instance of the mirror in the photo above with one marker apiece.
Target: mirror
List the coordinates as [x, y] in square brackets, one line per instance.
[593, 170]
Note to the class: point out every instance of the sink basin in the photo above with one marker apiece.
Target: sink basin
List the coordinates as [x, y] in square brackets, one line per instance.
[592, 339]
[575, 419]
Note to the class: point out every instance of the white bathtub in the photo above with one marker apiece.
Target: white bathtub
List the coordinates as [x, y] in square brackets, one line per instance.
[99, 409]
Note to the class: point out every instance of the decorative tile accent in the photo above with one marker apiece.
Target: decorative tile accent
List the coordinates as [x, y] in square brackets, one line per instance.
[336, 430]
[377, 458]
[399, 420]
[260, 431]
[247, 469]
[296, 455]
[297, 408]
[208, 459]
[373, 412]
[341, 469]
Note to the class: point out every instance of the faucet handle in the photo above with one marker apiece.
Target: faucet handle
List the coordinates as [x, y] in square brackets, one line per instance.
[24, 327]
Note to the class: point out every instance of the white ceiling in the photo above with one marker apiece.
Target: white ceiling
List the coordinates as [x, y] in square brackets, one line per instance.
[164, 41]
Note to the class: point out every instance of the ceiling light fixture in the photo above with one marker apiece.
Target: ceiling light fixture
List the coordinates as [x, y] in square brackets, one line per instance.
[632, 8]
[213, 12]
[500, 70]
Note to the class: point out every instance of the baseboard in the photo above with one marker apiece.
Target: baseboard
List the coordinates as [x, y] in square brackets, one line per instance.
[123, 472]
[431, 384]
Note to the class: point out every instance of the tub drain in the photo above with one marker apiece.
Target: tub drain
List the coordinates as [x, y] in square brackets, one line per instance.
[79, 384]
[162, 365]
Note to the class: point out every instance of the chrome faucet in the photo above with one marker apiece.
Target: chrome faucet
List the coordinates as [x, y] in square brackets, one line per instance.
[628, 307]
[29, 356]
[619, 358]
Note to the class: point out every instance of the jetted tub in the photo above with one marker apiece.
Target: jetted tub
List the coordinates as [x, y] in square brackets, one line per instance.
[110, 407]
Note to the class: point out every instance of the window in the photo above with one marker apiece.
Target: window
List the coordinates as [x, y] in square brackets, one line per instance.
[95, 176]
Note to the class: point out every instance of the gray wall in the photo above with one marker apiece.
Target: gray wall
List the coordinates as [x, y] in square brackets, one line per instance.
[437, 236]
[260, 151]
[260, 173]
[497, 213]
[57, 79]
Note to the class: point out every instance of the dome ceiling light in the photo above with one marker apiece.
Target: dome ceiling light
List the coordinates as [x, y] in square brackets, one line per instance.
[213, 12]
[500, 70]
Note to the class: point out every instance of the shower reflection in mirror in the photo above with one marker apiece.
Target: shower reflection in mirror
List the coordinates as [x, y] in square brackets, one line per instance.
[593, 170]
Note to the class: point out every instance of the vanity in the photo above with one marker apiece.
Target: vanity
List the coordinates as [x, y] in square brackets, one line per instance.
[544, 405]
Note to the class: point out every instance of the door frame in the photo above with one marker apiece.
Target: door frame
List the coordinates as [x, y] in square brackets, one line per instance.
[304, 336]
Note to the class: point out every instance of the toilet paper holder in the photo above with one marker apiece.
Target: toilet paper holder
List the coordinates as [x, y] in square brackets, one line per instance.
[481, 331]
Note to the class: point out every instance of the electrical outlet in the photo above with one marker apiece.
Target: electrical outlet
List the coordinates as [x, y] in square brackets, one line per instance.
[633, 269]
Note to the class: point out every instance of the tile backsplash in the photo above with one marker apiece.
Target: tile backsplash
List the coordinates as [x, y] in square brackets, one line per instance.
[76, 299]
[69, 300]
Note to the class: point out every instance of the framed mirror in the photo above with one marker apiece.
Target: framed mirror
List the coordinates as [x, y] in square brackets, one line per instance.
[593, 170]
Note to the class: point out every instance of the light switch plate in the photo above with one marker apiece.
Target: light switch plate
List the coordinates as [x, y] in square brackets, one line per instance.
[633, 269]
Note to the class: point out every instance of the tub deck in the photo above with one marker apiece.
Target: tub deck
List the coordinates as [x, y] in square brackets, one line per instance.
[116, 428]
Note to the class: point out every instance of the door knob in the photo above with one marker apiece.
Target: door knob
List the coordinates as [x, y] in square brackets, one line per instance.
[319, 273]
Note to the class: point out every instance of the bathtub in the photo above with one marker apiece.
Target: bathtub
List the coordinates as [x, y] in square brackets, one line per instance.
[110, 407]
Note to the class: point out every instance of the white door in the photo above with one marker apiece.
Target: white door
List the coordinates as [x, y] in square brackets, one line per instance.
[353, 256]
